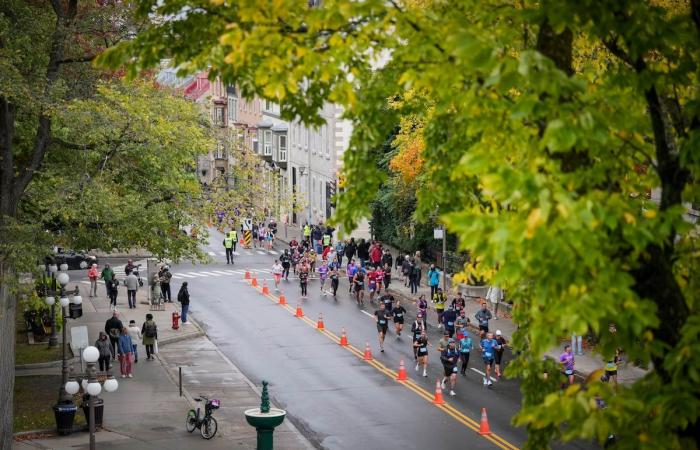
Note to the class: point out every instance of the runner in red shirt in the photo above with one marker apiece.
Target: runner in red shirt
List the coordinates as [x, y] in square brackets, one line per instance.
[372, 277]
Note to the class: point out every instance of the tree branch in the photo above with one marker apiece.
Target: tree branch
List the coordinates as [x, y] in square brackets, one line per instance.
[81, 59]
[72, 145]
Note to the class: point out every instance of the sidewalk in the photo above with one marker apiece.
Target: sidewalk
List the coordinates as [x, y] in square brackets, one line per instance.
[147, 411]
[585, 364]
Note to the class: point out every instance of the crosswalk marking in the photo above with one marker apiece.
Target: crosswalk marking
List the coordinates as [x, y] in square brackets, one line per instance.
[273, 252]
[211, 273]
[222, 253]
[188, 276]
[220, 272]
[260, 252]
[85, 282]
[249, 253]
[196, 274]
[212, 253]
[177, 277]
[262, 271]
[236, 253]
[235, 272]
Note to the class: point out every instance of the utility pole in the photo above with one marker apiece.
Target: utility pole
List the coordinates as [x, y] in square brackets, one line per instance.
[444, 260]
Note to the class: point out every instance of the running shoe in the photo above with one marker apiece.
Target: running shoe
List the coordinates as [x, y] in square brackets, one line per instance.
[442, 385]
[452, 393]
[425, 373]
[484, 381]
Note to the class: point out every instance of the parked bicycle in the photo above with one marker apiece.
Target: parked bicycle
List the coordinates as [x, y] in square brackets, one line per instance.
[205, 422]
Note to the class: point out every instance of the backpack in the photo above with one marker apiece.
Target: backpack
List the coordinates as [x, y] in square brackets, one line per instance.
[149, 330]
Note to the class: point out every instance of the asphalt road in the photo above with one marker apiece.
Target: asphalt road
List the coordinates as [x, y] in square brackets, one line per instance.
[334, 397]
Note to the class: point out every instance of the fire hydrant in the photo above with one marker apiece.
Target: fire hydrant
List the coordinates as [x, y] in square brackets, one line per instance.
[176, 320]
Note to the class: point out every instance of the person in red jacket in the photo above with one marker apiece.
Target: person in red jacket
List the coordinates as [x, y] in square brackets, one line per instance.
[375, 254]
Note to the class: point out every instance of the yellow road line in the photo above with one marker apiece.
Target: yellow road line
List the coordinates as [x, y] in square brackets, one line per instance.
[409, 384]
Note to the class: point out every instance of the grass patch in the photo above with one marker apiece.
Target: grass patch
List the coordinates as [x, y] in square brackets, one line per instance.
[34, 399]
[37, 353]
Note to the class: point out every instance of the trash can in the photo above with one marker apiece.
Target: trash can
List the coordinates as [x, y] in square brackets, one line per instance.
[99, 410]
[65, 415]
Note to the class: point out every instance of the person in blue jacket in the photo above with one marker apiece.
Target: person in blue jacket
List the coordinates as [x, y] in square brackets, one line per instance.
[433, 279]
[125, 347]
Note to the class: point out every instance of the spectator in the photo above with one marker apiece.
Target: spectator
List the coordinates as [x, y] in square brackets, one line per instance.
[132, 284]
[93, 274]
[135, 333]
[106, 351]
[126, 349]
[164, 276]
[113, 327]
[108, 276]
[183, 296]
[113, 293]
[149, 331]
[433, 279]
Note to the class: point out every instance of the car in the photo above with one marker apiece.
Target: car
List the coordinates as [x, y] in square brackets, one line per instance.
[75, 260]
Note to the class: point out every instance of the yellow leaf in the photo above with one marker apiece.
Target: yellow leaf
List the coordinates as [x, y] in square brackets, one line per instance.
[650, 213]
[533, 221]
[629, 218]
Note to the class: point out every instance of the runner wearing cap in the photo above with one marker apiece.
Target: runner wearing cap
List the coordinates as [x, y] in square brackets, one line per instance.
[448, 319]
[499, 351]
[382, 317]
[449, 358]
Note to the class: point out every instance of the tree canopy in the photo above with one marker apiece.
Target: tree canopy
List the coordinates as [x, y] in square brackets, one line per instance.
[549, 122]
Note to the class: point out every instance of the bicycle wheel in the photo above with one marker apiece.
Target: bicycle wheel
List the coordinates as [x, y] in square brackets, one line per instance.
[191, 421]
[209, 427]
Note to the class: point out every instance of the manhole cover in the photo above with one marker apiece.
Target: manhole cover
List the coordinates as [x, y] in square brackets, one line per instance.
[162, 429]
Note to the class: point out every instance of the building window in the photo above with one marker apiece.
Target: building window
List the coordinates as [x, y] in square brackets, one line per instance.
[219, 116]
[268, 143]
[282, 148]
[219, 154]
[268, 105]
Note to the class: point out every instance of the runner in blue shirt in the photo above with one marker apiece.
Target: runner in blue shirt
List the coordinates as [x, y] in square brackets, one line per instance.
[465, 346]
[488, 352]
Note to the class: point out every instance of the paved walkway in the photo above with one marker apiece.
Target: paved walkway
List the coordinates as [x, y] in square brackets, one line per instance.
[147, 411]
[585, 364]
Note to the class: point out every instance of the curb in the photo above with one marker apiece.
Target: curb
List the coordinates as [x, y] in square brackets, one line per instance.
[182, 337]
[44, 365]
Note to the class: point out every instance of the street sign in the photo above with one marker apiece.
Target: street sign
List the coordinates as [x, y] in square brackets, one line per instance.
[247, 224]
[437, 233]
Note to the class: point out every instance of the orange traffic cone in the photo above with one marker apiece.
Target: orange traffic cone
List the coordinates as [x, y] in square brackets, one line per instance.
[368, 352]
[265, 289]
[343, 337]
[484, 427]
[299, 313]
[254, 283]
[438, 400]
[283, 300]
[247, 274]
[401, 376]
[319, 324]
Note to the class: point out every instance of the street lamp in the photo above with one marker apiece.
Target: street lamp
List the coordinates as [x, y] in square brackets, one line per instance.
[92, 387]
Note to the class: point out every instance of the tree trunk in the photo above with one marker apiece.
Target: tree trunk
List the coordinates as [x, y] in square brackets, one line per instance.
[8, 305]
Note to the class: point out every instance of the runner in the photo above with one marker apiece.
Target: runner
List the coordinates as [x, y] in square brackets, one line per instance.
[335, 279]
[303, 279]
[359, 283]
[296, 258]
[379, 277]
[372, 280]
[439, 299]
[449, 317]
[293, 244]
[420, 348]
[422, 305]
[443, 342]
[382, 317]
[465, 347]
[339, 251]
[449, 358]
[388, 301]
[499, 352]
[611, 368]
[399, 312]
[270, 236]
[459, 303]
[483, 316]
[311, 257]
[488, 347]
[387, 276]
[262, 235]
[286, 261]
[277, 271]
[461, 324]
[351, 270]
[566, 360]
[323, 274]
[417, 328]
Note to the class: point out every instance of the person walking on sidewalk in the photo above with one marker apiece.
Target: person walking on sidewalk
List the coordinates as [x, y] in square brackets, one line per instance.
[433, 280]
[233, 234]
[350, 249]
[413, 273]
[135, 333]
[93, 275]
[228, 246]
[106, 351]
[165, 276]
[183, 296]
[405, 270]
[113, 293]
[495, 296]
[149, 330]
[132, 285]
[126, 350]
[108, 276]
[113, 328]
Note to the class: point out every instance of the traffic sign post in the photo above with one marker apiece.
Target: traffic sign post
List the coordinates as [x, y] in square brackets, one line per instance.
[248, 238]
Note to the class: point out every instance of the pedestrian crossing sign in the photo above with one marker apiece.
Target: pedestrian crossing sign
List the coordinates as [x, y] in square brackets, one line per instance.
[247, 224]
